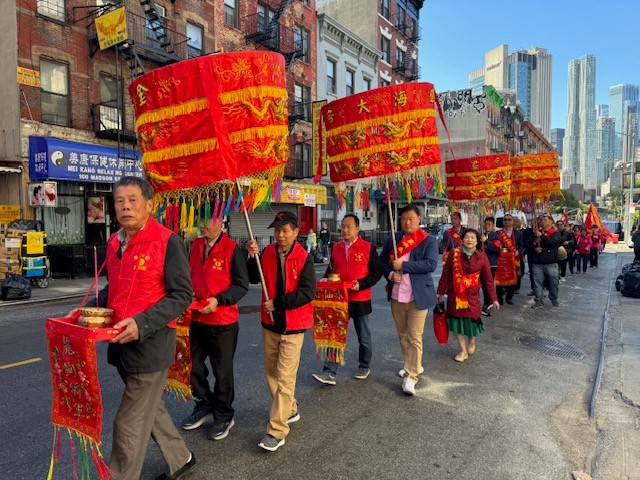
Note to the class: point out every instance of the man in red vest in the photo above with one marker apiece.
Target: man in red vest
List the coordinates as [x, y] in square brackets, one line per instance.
[451, 238]
[290, 281]
[219, 277]
[149, 286]
[357, 261]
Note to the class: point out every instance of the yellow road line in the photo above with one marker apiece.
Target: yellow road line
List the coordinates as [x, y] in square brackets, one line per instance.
[18, 364]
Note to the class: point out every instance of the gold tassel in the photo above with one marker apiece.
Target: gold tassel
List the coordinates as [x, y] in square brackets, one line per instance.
[383, 147]
[250, 93]
[192, 212]
[178, 151]
[183, 215]
[380, 121]
[172, 111]
[247, 134]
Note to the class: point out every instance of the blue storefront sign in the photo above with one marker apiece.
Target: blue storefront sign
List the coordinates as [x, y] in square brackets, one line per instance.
[54, 159]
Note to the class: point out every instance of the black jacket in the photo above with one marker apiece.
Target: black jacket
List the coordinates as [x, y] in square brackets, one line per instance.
[570, 239]
[490, 249]
[363, 307]
[549, 245]
[304, 294]
[156, 351]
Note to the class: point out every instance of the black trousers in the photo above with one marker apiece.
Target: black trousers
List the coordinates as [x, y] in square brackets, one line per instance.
[487, 302]
[508, 290]
[636, 255]
[562, 264]
[218, 343]
[572, 256]
[593, 257]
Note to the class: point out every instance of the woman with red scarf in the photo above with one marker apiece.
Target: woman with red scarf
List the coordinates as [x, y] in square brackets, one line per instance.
[583, 247]
[467, 270]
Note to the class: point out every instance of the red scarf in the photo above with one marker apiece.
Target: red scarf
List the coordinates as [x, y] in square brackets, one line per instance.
[462, 282]
[408, 243]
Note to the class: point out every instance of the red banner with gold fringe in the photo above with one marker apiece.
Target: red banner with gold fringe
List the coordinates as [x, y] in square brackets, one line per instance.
[76, 398]
[179, 378]
[213, 118]
[479, 178]
[536, 176]
[331, 321]
[387, 131]
[506, 273]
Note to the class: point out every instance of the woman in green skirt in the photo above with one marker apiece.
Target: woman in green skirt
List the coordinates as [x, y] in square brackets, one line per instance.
[464, 274]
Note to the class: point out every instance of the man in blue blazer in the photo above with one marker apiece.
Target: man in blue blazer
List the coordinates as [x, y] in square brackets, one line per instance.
[410, 289]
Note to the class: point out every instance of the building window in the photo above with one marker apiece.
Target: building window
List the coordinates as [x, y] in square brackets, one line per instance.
[306, 2]
[331, 76]
[111, 104]
[52, 9]
[54, 95]
[302, 98]
[402, 18]
[384, 83]
[304, 169]
[301, 42]
[385, 46]
[366, 84]
[400, 58]
[384, 8]
[231, 13]
[194, 43]
[350, 80]
[265, 16]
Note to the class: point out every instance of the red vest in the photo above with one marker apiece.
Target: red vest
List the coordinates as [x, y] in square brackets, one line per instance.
[353, 268]
[211, 277]
[136, 281]
[298, 318]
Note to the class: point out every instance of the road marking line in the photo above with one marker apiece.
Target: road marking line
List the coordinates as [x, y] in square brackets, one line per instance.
[18, 364]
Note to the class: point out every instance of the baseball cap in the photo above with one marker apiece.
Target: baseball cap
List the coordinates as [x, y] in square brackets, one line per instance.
[283, 218]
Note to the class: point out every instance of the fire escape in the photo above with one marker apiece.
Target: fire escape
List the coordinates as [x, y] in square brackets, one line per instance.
[267, 30]
[407, 66]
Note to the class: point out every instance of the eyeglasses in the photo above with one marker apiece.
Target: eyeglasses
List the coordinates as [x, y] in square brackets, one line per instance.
[507, 219]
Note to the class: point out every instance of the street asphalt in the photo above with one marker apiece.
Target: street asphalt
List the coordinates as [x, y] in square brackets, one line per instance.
[511, 411]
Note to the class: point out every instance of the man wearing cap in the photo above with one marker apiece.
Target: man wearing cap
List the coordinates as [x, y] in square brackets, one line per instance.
[357, 261]
[220, 280]
[290, 281]
[544, 245]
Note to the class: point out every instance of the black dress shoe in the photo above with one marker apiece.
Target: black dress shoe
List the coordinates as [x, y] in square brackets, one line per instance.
[182, 471]
[509, 301]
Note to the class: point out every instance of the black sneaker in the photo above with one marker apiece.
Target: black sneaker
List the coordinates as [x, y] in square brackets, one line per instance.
[537, 305]
[555, 303]
[220, 430]
[197, 418]
[271, 443]
[293, 418]
[180, 473]
[509, 301]
[485, 310]
[531, 294]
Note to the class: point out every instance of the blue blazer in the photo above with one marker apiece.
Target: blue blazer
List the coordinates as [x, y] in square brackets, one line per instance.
[423, 260]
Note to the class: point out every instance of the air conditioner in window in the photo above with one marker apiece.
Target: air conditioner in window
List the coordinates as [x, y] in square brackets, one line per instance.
[368, 214]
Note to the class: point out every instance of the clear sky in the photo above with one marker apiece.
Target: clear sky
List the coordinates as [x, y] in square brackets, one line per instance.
[457, 33]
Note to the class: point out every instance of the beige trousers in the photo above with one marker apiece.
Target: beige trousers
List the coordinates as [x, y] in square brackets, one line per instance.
[281, 362]
[410, 325]
[141, 415]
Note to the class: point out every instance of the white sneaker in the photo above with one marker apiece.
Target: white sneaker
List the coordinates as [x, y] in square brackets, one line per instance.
[409, 386]
[562, 279]
[403, 374]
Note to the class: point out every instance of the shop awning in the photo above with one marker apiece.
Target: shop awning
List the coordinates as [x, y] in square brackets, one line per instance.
[303, 193]
[5, 169]
[54, 159]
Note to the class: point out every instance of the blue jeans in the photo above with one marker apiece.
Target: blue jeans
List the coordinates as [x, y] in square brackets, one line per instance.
[364, 351]
[548, 272]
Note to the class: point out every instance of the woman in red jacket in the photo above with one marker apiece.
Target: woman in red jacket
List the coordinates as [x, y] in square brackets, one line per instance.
[583, 247]
[466, 271]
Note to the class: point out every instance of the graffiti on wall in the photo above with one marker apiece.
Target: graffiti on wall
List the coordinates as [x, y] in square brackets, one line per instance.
[458, 103]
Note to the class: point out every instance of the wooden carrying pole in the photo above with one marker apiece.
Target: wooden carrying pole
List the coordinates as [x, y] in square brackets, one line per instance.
[391, 225]
[248, 223]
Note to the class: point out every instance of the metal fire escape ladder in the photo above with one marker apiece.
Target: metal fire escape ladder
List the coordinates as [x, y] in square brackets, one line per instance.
[410, 64]
[130, 56]
[273, 28]
[157, 26]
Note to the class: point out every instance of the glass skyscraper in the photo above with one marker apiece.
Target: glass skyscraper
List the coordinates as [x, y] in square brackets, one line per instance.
[619, 96]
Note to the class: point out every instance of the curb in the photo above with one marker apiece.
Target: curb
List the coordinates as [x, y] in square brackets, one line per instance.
[15, 303]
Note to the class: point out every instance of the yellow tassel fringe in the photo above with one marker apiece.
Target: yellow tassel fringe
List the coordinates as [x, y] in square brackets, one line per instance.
[172, 111]
[252, 93]
[398, 117]
[179, 151]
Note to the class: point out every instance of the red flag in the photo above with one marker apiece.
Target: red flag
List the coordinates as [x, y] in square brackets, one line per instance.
[594, 219]
[565, 217]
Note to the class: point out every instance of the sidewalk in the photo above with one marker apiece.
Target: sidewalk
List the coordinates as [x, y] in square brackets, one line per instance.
[618, 404]
[58, 289]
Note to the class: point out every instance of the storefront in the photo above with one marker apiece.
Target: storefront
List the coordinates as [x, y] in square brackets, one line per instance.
[72, 193]
[299, 198]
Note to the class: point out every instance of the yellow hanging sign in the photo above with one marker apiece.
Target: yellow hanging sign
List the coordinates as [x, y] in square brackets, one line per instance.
[112, 28]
